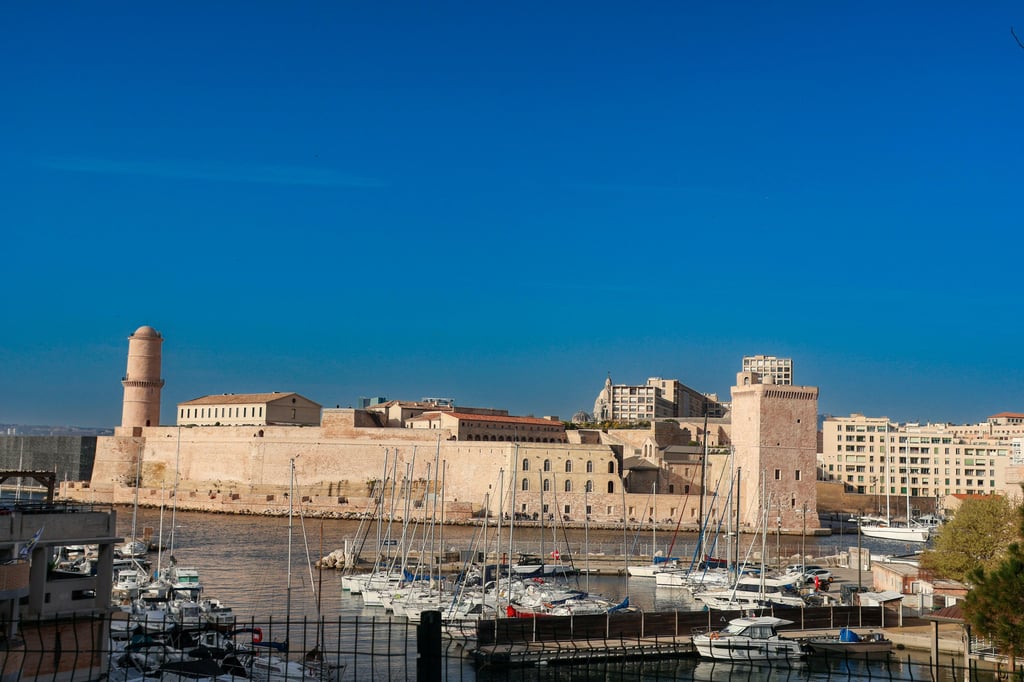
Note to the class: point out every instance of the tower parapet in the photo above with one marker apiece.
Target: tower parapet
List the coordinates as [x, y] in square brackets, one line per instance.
[142, 382]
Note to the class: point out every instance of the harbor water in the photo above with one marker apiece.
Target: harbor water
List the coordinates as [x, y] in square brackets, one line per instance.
[243, 562]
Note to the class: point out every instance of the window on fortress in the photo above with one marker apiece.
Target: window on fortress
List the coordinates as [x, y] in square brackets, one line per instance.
[798, 474]
[547, 485]
[568, 466]
[778, 474]
[526, 465]
[611, 467]
[611, 486]
[590, 486]
[590, 467]
[526, 484]
[568, 486]
[547, 465]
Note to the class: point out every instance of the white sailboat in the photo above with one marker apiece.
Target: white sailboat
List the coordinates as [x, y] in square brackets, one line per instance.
[886, 528]
[659, 562]
[260, 665]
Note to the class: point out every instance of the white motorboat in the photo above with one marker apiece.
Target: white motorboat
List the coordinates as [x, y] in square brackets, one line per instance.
[755, 592]
[532, 566]
[749, 639]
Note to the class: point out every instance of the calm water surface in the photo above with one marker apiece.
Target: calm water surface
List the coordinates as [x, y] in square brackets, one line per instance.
[242, 561]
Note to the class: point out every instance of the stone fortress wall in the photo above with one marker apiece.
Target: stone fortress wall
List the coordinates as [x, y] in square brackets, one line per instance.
[246, 469]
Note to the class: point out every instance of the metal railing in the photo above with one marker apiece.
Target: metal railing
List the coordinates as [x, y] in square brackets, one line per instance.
[626, 647]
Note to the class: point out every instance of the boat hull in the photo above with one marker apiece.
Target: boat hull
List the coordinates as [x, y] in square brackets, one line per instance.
[833, 647]
[747, 649]
[901, 533]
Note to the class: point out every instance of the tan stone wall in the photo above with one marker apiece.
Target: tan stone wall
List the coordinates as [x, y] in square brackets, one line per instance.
[234, 469]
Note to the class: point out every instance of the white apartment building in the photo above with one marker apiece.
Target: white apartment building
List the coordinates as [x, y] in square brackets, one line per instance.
[657, 399]
[779, 369]
[874, 456]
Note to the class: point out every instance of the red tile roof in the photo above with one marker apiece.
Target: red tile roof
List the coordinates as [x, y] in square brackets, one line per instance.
[493, 418]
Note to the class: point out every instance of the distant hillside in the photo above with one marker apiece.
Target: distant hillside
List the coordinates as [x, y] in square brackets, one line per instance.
[36, 430]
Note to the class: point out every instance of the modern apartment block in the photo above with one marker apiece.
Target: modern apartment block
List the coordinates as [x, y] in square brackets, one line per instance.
[657, 399]
[779, 369]
[874, 456]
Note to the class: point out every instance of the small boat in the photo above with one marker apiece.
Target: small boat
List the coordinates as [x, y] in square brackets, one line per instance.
[755, 592]
[849, 643]
[533, 566]
[749, 639]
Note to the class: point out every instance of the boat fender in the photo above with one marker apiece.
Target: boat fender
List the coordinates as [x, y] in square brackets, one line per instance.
[539, 581]
[714, 635]
[257, 635]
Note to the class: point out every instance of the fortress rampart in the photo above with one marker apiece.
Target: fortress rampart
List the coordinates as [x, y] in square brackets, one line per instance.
[247, 469]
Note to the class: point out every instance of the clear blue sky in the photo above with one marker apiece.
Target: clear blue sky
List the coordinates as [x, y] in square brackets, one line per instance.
[505, 202]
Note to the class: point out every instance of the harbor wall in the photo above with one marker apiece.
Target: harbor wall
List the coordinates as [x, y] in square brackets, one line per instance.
[247, 469]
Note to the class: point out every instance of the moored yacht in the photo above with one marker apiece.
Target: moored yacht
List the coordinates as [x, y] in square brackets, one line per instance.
[748, 639]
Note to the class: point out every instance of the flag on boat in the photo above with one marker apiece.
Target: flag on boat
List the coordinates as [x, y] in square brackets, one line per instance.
[27, 547]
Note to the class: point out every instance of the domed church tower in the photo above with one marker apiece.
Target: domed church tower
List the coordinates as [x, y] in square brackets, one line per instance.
[142, 382]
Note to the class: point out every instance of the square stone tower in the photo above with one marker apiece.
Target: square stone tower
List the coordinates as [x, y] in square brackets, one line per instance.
[775, 437]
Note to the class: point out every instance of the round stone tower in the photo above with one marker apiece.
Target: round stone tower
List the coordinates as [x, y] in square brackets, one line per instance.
[142, 382]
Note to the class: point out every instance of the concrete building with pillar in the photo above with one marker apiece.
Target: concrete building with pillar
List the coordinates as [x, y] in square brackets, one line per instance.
[775, 437]
[142, 382]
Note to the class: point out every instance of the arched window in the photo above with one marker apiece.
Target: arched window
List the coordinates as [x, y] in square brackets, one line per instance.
[611, 486]
[568, 486]
[547, 465]
[526, 465]
[611, 467]
[590, 467]
[568, 465]
[547, 485]
[526, 484]
[590, 486]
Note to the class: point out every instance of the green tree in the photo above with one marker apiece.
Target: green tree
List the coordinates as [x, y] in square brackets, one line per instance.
[977, 537]
[995, 604]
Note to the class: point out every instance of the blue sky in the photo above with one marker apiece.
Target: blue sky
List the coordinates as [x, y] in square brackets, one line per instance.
[505, 202]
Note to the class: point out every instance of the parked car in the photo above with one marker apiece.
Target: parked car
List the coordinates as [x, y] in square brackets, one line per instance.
[822, 574]
[800, 569]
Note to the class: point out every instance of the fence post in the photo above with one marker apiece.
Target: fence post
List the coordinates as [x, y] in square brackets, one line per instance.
[428, 647]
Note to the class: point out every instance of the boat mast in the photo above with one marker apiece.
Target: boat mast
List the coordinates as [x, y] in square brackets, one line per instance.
[540, 475]
[703, 483]
[288, 589]
[654, 521]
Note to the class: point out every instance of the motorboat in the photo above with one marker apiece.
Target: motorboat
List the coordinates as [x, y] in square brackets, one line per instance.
[749, 639]
[533, 566]
[849, 643]
[754, 592]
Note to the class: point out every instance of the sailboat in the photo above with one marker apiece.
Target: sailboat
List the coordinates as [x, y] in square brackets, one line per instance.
[260, 665]
[886, 528]
[659, 562]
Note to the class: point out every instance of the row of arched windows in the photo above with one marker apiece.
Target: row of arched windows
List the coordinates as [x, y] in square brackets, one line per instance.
[546, 465]
[519, 439]
[546, 485]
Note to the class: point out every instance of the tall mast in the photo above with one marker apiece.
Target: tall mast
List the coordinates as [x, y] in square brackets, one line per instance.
[288, 590]
[703, 483]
